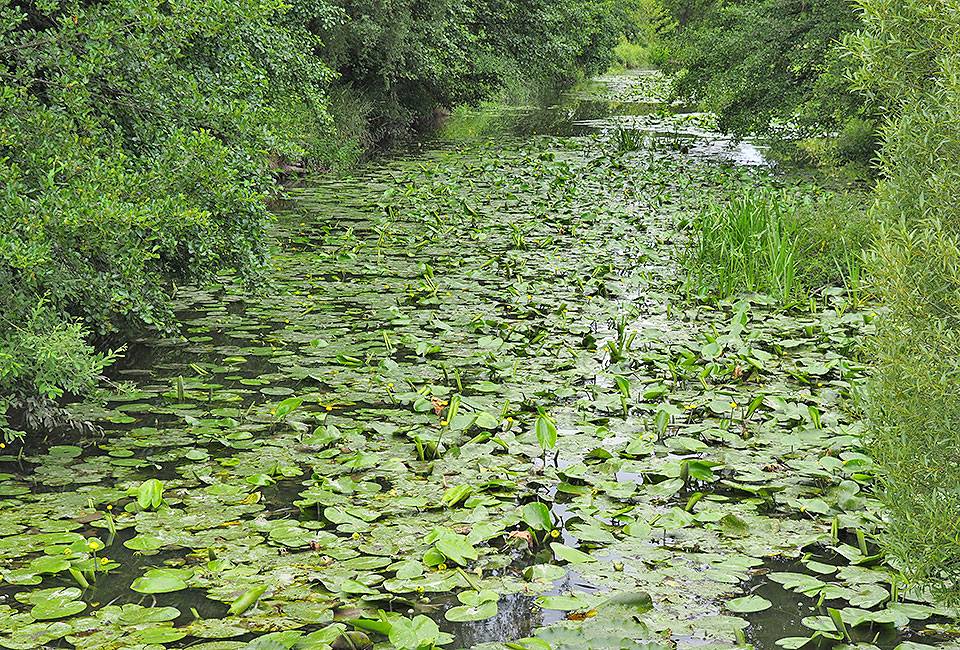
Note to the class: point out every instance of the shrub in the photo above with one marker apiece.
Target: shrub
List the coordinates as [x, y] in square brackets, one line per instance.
[909, 53]
[133, 152]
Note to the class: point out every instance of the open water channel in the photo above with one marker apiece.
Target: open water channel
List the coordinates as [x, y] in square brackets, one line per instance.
[468, 405]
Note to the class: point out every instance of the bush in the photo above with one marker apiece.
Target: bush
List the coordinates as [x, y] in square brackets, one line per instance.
[43, 357]
[133, 152]
[909, 53]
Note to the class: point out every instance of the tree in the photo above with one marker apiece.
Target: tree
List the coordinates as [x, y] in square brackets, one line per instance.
[760, 64]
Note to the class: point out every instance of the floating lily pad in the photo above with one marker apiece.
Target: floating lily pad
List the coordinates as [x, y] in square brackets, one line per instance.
[748, 604]
[160, 581]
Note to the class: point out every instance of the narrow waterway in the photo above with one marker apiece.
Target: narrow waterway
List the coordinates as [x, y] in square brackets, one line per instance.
[466, 401]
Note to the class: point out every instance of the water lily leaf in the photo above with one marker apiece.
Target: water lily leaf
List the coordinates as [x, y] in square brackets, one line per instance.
[260, 480]
[49, 564]
[544, 572]
[486, 421]
[408, 569]
[912, 610]
[484, 531]
[665, 488]
[159, 635]
[734, 526]
[537, 516]
[869, 596]
[132, 614]
[675, 518]
[476, 606]
[433, 557]
[328, 635]
[570, 554]
[150, 494]
[462, 613]
[820, 567]
[41, 595]
[592, 533]
[635, 601]
[420, 632]
[143, 543]
[246, 600]
[365, 563]
[355, 587]
[563, 603]
[819, 623]
[798, 582]
[456, 494]
[375, 625]
[748, 604]
[456, 548]
[275, 641]
[35, 635]
[637, 528]
[161, 581]
[59, 604]
[308, 612]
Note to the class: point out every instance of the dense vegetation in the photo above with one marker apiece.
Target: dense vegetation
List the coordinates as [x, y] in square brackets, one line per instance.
[773, 67]
[139, 143]
[471, 409]
[136, 139]
[902, 58]
[910, 54]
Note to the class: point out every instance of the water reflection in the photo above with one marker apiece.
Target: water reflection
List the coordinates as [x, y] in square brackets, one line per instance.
[517, 617]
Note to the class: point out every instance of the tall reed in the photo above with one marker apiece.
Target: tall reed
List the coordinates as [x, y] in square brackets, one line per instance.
[751, 243]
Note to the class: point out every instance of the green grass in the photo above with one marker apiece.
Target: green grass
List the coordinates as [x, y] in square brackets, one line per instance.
[748, 244]
[771, 242]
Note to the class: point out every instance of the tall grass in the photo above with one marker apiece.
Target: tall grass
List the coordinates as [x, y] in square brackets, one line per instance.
[786, 245]
[750, 243]
[630, 56]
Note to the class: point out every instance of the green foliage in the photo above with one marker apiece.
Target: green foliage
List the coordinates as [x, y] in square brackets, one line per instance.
[756, 63]
[47, 355]
[136, 139]
[630, 56]
[910, 53]
[409, 57]
[133, 152]
[749, 244]
[835, 230]
[775, 243]
[647, 25]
